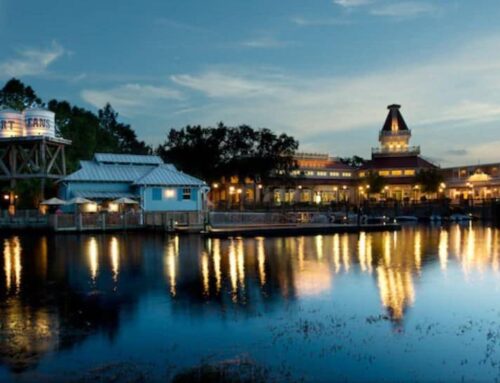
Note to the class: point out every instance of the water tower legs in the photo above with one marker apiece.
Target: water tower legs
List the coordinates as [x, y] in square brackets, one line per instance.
[31, 158]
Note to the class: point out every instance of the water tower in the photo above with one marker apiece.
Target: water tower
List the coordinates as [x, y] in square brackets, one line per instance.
[30, 149]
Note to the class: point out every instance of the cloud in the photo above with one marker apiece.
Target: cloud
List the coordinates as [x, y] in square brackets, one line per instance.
[449, 99]
[31, 61]
[182, 26]
[266, 42]
[131, 99]
[351, 3]
[305, 22]
[457, 152]
[484, 152]
[467, 110]
[403, 9]
[390, 8]
[221, 85]
[456, 89]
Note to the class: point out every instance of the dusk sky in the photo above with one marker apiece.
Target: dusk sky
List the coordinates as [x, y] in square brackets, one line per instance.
[321, 70]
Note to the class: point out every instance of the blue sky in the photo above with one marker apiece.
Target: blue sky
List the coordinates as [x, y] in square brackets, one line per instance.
[321, 70]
